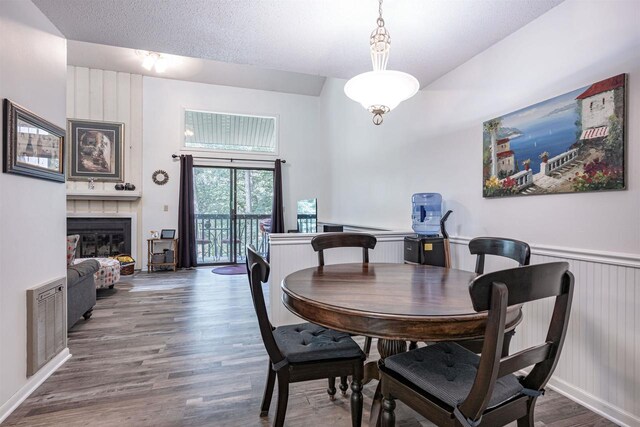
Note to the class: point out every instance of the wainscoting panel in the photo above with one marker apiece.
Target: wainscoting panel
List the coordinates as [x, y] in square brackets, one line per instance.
[101, 95]
[600, 362]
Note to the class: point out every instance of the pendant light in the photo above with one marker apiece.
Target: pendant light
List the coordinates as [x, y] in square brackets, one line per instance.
[381, 90]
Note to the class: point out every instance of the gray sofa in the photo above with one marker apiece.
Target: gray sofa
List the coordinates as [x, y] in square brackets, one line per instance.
[81, 291]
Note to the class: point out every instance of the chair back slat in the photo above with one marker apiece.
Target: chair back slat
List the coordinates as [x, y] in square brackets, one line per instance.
[478, 398]
[541, 372]
[525, 284]
[524, 358]
[498, 246]
[258, 271]
[343, 240]
[495, 292]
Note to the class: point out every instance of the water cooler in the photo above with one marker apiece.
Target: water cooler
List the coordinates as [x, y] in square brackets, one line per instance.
[431, 244]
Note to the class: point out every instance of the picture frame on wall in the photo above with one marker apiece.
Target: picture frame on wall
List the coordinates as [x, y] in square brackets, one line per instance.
[96, 150]
[572, 143]
[32, 146]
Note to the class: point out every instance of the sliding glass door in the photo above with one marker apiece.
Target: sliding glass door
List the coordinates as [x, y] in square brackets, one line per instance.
[233, 209]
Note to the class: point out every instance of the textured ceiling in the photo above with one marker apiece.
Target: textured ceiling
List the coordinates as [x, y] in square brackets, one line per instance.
[322, 37]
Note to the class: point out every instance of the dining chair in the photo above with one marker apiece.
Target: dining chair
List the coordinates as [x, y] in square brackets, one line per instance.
[498, 246]
[302, 352]
[452, 386]
[365, 241]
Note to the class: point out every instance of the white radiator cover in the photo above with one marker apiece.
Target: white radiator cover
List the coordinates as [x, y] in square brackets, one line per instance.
[46, 323]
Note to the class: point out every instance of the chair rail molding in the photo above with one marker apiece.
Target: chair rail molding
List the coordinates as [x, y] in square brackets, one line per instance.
[601, 257]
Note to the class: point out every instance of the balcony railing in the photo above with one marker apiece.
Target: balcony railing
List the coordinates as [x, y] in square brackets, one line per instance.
[307, 223]
[216, 241]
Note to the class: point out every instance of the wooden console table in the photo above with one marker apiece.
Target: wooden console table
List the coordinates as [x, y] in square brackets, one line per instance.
[150, 251]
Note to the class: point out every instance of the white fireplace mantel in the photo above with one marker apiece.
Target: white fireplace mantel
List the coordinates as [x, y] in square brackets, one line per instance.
[104, 195]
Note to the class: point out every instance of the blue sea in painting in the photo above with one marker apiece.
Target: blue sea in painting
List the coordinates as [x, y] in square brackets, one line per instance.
[547, 126]
[554, 135]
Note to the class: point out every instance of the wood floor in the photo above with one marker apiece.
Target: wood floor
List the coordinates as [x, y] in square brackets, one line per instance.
[183, 349]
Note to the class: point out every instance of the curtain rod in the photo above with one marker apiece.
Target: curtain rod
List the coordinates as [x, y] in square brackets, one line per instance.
[231, 160]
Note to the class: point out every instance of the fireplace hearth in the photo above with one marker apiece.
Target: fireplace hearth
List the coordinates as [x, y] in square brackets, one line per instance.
[101, 237]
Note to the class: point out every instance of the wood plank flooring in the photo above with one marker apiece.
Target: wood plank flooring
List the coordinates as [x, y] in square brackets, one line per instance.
[183, 349]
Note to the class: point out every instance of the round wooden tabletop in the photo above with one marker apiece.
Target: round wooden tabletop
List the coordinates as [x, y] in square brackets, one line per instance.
[392, 301]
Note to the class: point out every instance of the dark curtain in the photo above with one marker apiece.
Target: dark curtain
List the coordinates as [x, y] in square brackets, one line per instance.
[277, 210]
[186, 215]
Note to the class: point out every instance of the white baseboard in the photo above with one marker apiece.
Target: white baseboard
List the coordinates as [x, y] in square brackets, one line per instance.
[33, 383]
[595, 404]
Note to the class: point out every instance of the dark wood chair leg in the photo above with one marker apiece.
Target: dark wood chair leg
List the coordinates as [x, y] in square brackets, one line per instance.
[268, 392]
[367, 345]
[528, 420]
[356, 400]
[388, 415]
[344, 385]
[331, 390]
[283, 398]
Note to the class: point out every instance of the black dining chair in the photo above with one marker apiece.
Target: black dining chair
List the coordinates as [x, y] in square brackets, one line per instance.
[302, 352]
[497, 246]
[452, 386]
[325, 241]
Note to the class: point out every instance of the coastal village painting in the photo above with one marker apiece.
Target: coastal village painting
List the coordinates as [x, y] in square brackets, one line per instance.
[571, 143]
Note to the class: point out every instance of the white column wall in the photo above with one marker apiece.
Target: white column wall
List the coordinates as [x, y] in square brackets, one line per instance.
[32, 211]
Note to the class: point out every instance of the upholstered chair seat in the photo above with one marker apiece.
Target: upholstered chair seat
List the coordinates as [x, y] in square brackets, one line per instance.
[447, 371]
[307, 342]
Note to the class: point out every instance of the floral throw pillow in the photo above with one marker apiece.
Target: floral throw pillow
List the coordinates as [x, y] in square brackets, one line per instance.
[72, 242]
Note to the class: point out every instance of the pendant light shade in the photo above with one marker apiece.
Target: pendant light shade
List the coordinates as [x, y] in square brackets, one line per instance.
[377, 89]
[381, 90]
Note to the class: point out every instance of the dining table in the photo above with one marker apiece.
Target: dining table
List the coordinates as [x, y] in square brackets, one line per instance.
[396, 303]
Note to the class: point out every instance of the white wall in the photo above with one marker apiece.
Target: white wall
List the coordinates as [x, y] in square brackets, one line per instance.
[433, 143]
[305, 175]
[32, 212]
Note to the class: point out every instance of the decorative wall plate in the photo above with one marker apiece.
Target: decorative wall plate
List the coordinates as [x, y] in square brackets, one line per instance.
[160, 177]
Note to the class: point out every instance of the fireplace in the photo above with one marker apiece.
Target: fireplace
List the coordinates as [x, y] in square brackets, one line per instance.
[101, 237]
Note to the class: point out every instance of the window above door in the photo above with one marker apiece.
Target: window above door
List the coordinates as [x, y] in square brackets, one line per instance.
[225, 132]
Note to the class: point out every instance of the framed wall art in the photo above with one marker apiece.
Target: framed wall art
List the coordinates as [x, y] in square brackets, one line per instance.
[96, 150]
[568, 144]
[32, 146]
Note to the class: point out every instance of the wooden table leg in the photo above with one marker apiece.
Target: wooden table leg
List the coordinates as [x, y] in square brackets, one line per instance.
[386, 348]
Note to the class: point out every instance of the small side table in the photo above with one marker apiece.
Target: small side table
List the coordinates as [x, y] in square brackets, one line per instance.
[150, 251]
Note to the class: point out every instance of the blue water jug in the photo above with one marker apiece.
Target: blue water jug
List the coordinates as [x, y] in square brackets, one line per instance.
[426, 213]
